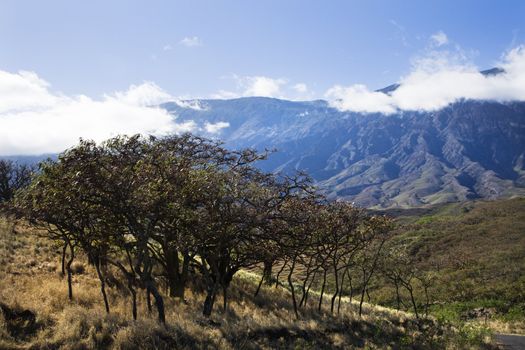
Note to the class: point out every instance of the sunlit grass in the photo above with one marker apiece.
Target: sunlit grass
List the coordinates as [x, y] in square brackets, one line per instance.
[32, 281]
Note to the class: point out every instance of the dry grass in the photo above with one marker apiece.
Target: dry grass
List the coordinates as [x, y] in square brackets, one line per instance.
[516, 327]
[30, 280]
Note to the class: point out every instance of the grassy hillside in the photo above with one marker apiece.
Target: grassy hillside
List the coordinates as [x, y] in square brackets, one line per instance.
[476, 253]
[36, 314]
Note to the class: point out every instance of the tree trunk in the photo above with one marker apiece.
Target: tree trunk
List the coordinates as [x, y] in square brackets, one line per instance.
[292, 289]
[267, 272]
[227, 277]
[159, 301]
[322, 292]
[367, 277]
[351, 296]
[336, 293]
[176, 279]
[133, 302]
[279, 274]
[177, 289]
[69, 272]
[411, 292]
[148, 300]
[210, 299]
[259, 286]
[305, 282]
[64, 249]
[102, 284]
[308, 289]
[363, 290]
[427, 299]
[341, 291]
[398, 297]
[224, 298]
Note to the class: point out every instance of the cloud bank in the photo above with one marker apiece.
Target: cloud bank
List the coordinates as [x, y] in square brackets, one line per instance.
[263, 86]
[36, 120]
[437, 80]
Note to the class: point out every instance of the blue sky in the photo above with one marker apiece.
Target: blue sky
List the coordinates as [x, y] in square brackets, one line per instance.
[95, 69]
[97, 47]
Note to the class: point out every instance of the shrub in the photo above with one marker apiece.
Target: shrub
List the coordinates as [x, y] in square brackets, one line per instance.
[78, 268]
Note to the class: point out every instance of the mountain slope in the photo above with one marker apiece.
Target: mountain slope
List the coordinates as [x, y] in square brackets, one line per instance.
[471, 149]
[476, 252]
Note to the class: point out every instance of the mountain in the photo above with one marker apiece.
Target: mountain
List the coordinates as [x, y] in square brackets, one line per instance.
[468, 150]
[30, 159]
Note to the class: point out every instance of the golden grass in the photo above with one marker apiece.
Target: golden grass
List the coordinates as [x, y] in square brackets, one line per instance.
[30, 279]
[516, 327]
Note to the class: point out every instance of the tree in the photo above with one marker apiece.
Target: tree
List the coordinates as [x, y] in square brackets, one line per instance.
[344, 240]
[239, 203]
[13, 177]
[174, 207]
[375, 232]
[399, 267]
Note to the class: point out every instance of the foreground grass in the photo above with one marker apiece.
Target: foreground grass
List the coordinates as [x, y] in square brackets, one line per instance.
[32, 289]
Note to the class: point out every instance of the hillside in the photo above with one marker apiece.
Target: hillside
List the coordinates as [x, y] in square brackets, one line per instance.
[476, 253]
[34, 296]
[468, 150]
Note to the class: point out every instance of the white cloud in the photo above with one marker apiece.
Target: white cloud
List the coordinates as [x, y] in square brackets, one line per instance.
[192, 104]
[358, 98]
[262, 86]
[254, 86]
[437, 80]
[144, 95]
[24, 91]
[167, 47]
[187, 126]
[191, 41]
[301, 88]
[214, 128]
[439, 38]
[36, 120]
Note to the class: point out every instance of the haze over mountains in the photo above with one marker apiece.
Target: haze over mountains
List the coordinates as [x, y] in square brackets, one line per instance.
[469, 149]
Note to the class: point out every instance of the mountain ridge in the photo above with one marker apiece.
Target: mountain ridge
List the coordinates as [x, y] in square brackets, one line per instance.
[471, 149]
[467, 150]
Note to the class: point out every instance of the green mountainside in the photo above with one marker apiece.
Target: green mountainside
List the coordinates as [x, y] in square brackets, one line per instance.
[475, 252]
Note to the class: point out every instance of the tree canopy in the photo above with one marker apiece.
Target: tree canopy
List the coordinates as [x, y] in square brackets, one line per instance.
[169, 210]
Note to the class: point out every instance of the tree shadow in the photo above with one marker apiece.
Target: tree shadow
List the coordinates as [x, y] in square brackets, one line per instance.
[20, 324]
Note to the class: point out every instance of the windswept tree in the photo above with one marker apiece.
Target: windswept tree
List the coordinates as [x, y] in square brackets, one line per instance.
[90, 198]
[240, 202]
[295, 235]
[174, 169]
[13, 177]
[115, 183]
[181, 207]
[345, 232]
[334, 240]
[401, 268]
[55, 202]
